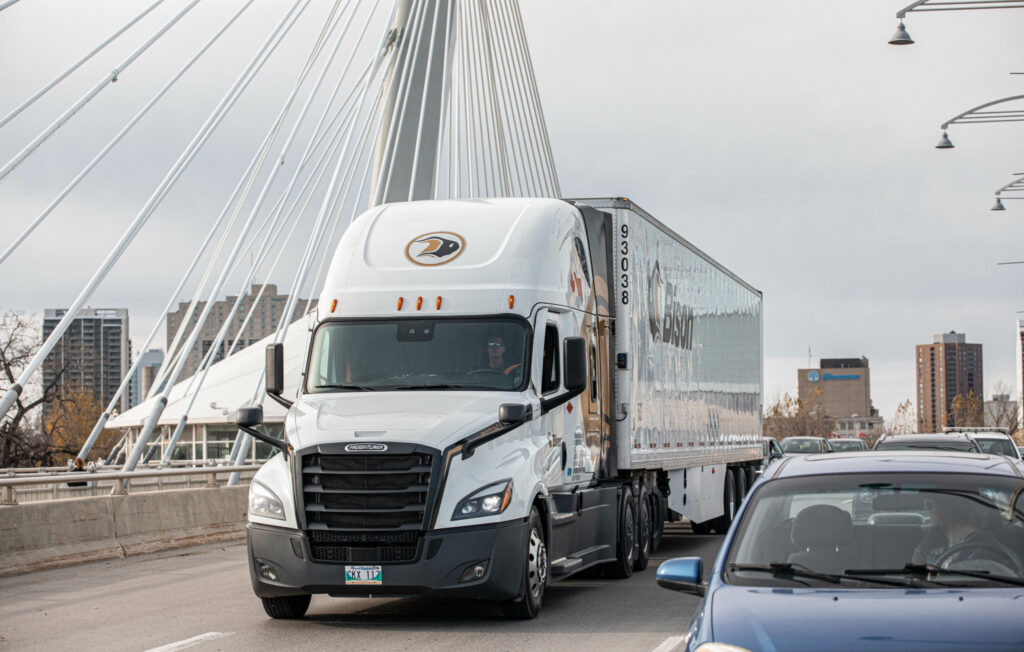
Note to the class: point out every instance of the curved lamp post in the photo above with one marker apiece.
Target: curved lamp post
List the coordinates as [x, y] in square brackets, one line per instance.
[977, 115]
[1017, 185]
[901, 37]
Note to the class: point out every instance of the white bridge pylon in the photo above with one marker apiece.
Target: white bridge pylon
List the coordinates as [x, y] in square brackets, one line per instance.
[421, 99]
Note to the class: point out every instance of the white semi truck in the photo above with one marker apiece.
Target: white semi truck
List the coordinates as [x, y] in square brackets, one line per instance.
[498, 394]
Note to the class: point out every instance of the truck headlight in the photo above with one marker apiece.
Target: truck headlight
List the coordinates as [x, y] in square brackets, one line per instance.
[491, 500]
[264, 502]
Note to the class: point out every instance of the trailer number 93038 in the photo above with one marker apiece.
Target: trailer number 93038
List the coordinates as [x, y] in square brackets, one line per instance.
[624, 263]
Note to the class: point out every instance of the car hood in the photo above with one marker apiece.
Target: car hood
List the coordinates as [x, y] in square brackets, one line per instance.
[436, 418]
[770, 619]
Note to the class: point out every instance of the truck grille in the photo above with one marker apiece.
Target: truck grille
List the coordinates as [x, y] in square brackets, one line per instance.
[363, 507]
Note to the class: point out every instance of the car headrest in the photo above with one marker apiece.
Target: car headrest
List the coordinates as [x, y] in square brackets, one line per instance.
[822, 526]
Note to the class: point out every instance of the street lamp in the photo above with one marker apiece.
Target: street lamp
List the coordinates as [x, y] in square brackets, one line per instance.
[976, 115]
[1017, 185]
[901, 37]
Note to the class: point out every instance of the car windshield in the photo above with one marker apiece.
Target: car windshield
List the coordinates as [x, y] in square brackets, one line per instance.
[846, 445]
[996, 446]
[951, 444]
[884, 529]
[414, 354]
[801, 445]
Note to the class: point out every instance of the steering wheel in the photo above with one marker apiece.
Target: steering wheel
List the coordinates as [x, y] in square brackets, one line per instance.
[983, 557]
[476, 372]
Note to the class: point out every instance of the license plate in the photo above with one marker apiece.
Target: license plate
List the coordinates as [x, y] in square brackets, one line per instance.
[363, 575]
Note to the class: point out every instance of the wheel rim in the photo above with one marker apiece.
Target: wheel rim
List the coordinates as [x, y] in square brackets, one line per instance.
[536, 563]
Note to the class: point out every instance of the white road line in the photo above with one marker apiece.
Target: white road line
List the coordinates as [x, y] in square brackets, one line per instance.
[670, 643]
[195, 640]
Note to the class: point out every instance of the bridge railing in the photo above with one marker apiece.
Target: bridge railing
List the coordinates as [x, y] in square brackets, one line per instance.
[39, 487]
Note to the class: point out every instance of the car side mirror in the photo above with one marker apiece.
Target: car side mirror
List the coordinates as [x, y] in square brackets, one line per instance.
[275, 373]
[683, 574]
[511, 414]
[575, 364]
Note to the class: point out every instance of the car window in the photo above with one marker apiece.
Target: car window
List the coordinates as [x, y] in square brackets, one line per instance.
[996, 446]
[846, 445]
[880, 521]
[801, 445]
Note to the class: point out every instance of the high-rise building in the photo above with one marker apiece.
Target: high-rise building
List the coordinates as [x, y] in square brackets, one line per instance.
[842, 388]
[92, 356]
[145, 373]
[263, 323]
[946, 368]
[1020, 367]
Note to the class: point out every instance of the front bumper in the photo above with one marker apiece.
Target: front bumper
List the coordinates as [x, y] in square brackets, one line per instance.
[444, 557]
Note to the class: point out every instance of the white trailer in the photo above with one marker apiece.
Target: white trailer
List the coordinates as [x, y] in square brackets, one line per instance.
[501, 393]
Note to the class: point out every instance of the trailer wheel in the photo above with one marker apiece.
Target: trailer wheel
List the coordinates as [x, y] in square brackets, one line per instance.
[722, 523]
[626, 547]
[741, 485]
[644, 531]
[535, 574]
[289, 606]
[751, 477]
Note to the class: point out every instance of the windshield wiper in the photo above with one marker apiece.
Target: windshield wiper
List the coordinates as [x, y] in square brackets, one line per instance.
[354, 388]
[793, 571]
[929, 569]
[434, 386]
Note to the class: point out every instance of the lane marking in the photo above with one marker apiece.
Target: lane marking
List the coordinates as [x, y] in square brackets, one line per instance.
[189, 642]
[670, 643]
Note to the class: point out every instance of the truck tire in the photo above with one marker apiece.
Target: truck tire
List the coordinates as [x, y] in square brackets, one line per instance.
[289, 606]
[729, 503]
[751, 477]
[535, 573]
[741, 485]
[626, 546]
[644, 530]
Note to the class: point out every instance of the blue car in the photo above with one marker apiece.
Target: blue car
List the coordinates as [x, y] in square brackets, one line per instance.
[880, 550]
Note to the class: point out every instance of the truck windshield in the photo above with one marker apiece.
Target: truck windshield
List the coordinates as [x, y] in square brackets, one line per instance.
[420, 354]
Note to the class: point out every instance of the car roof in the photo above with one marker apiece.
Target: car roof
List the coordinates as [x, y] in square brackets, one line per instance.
[846, 439]
[803, 437]
[896, 461]
[989, 435]
[929, 436]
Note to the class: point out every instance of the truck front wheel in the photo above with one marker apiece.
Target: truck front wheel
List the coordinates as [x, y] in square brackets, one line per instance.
[535, 573]
[290, 606]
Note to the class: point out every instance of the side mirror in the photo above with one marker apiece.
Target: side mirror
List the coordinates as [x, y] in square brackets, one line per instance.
[275, 373]
[510, 414]
[682, 574]
[575, 364]
[248, 417]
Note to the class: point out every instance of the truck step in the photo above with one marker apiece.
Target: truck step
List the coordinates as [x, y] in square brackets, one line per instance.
[566, 565]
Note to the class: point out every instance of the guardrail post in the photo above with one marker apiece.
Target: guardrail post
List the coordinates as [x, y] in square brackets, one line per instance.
[211, 481]
[10, 497]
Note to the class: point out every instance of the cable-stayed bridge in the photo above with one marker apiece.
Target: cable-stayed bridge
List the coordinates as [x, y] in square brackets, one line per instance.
[383, 102]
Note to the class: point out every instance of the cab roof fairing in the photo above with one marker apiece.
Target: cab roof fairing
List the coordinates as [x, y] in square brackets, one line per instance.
[519, 247]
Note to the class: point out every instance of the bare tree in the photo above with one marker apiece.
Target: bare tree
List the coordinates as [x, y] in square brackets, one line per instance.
[904, 421]
[965, 411]
[22, 440]
[1003, 413]
[792, 417]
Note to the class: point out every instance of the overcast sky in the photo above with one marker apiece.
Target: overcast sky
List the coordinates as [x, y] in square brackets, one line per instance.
[785, 138]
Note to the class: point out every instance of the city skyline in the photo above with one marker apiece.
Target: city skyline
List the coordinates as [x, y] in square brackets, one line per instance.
[803, 161]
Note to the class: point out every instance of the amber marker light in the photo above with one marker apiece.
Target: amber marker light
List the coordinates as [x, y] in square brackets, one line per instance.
[511, 301]
[334, 304]
[401, 300]
[419, 302]
[438, 303]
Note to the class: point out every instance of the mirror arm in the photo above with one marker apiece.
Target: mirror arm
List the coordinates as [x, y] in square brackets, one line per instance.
[548, 404]
[281, 400]
[267, 439]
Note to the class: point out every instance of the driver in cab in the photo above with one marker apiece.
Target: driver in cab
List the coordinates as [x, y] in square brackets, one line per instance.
[497, 362]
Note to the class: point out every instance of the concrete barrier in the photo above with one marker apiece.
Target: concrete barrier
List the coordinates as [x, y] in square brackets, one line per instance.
[36, 536]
